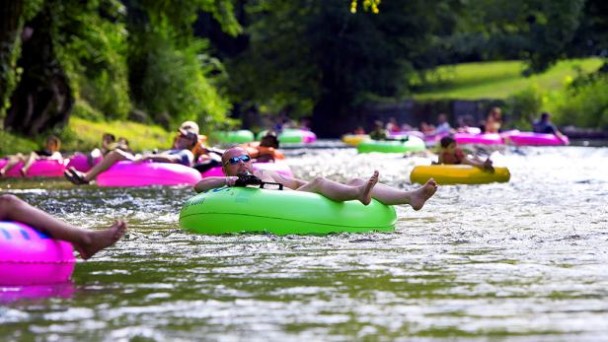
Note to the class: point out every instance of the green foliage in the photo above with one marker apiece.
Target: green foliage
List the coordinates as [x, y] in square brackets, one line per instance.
[177, 82]
[498, 80]
[524, 106]
[537, 31]
[301, 52]
[12, 144]
[90, 41]
[9, 73]
[82, 109]
[584, 103]
[172, 74]
[84, 135]
[276, 72]
[10, 50]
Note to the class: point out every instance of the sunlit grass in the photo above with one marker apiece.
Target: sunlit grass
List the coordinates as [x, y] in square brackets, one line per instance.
[498, 80]
[140, 136]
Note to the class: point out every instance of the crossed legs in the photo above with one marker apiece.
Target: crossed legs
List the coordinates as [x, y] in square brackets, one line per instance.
[393, 196]
[342, 192]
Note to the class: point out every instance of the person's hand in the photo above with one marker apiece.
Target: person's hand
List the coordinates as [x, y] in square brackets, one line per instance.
[231, 180]
[487, 165]
[247, 179]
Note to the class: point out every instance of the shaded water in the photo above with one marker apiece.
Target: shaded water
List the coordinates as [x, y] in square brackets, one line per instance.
[526, 260]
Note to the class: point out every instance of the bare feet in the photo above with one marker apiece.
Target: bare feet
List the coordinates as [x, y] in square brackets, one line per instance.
[2, 173]
[23, 172]
[98, 240]
[422, 194]
[366, 189]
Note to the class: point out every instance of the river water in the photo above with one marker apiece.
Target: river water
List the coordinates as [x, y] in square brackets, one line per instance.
[525, 261]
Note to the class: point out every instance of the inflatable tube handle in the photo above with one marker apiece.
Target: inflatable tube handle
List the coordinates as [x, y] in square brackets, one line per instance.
[271, 183]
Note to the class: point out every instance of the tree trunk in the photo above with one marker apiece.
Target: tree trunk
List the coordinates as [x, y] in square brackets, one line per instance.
[10, 19]
[334, 115]
[43, 98]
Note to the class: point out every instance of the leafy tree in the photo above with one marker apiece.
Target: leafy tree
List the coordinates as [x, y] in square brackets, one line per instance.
[71, 51]
[321, 58]
[172, 74]
[537, 31]
[77, 52]
[12, 16]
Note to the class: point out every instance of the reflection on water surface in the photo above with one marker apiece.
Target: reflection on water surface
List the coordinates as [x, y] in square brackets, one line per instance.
[525, 260]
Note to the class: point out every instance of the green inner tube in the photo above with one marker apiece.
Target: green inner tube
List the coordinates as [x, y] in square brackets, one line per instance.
[253, 210]
[412, 144]
[233, 137]
[287, 136]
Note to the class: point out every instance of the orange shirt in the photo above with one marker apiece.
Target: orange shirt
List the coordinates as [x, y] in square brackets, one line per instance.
[256, 151]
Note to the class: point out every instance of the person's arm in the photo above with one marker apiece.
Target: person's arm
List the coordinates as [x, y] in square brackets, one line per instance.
[485, 165]
[163, 158]
[178, 158]
[209, 183]
[289, 182]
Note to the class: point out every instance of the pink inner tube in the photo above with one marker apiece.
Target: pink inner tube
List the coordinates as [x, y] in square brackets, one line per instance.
[80, 162]
[482, 139]
[536, 139]
[215, 171]
[30, 257]
[279, 167]
[130, 174]
[40, 168]
[13, 293]
[308, 137]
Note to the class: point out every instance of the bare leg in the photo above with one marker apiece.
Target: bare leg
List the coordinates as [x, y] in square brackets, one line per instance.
[107, 162]
[27, 163]
[12, 161]
[392, 196]
[342, 192]
[86, 242]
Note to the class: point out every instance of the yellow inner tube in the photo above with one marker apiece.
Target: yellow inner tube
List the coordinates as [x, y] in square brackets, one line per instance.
[354, 139]
[458, 174]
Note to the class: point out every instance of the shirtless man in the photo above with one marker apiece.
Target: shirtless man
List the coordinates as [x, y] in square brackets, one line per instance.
[86, 242]
[236, 161]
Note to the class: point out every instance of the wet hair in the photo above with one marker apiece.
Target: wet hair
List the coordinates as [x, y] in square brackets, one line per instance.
[111, 136]
[446, 141]
[270, 140]
[544, 116]
[55, 140]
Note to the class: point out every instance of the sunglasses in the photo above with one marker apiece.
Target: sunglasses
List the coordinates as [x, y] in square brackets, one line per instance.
[235, 160]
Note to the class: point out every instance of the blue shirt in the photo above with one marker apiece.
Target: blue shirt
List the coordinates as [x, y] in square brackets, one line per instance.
[186, 157]
[543, 127]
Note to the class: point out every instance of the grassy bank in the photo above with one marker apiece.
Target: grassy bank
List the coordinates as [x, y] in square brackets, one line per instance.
[87, 134]
[83, 135]
[499, 80]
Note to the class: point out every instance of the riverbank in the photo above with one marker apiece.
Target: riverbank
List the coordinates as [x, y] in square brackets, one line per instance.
[83, 135]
